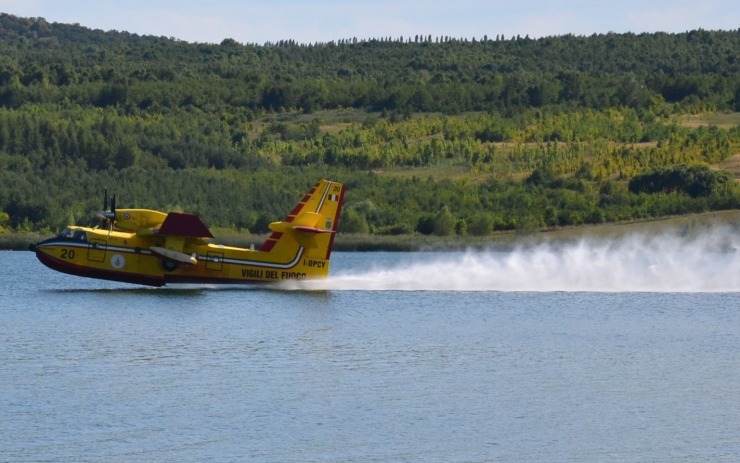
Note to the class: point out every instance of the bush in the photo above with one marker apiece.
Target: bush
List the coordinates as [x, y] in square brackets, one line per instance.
[353, 222]
[696, 181]
[480, 225]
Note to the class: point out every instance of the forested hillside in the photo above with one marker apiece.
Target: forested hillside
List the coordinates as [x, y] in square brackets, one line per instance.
[431, 134]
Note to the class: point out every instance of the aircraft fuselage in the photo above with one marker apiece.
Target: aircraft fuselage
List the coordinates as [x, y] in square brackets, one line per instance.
[149, 247]
[120, 256]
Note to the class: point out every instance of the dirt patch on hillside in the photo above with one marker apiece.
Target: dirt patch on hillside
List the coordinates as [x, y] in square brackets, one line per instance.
[731, 165]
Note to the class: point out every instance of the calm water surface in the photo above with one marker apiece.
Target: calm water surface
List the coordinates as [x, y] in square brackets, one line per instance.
[94, 371]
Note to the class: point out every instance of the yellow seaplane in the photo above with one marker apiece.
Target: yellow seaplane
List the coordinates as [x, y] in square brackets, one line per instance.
[154, 248]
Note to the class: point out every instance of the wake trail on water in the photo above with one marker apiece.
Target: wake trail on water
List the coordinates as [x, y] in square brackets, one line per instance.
[707, 262]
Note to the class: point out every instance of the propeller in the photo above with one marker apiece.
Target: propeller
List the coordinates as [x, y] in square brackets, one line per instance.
[109, 215]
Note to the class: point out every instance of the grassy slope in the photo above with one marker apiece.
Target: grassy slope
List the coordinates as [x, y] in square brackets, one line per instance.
[333, 121]
[724, 121]
[336, 120]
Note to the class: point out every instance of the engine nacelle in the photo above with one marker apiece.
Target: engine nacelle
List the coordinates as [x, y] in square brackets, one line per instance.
[134, 220]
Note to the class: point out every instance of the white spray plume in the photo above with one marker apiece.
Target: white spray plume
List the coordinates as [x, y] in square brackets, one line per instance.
[704, 262]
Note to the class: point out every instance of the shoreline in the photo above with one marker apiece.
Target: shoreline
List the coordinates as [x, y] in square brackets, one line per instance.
[684, 224]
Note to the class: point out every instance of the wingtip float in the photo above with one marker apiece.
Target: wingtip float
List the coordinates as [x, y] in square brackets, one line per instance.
[154, 248]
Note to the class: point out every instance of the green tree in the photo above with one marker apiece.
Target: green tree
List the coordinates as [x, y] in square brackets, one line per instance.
[353, 221]
[444, 223]
[4, 221]
[481, 224]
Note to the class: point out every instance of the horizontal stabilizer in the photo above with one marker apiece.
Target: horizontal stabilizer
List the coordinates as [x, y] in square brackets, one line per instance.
[306, 219]
[311, 229]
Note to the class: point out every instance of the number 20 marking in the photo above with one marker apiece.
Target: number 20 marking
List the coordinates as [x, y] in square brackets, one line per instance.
[68, 254]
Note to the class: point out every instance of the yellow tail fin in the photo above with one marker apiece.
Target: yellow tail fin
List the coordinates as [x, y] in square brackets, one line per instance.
[310, 227]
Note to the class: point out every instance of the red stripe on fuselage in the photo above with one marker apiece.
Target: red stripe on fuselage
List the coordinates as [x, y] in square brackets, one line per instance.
[294, 213]
[271, 242]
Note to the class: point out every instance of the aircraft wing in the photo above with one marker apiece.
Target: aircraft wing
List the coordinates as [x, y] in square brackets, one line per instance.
[184, 225]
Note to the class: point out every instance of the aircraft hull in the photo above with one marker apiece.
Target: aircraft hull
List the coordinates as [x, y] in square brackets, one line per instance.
[137, 265]
[70, 268]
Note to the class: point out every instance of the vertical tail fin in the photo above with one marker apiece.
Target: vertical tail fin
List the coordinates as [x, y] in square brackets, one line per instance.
[306, 235]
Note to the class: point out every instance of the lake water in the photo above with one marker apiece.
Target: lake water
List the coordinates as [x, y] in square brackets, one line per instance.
[580, 353]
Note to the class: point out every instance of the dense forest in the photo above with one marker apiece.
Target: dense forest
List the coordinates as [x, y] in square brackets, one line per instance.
[434, 135]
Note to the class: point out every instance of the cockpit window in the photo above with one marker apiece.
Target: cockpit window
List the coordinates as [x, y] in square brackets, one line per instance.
[77, 235]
